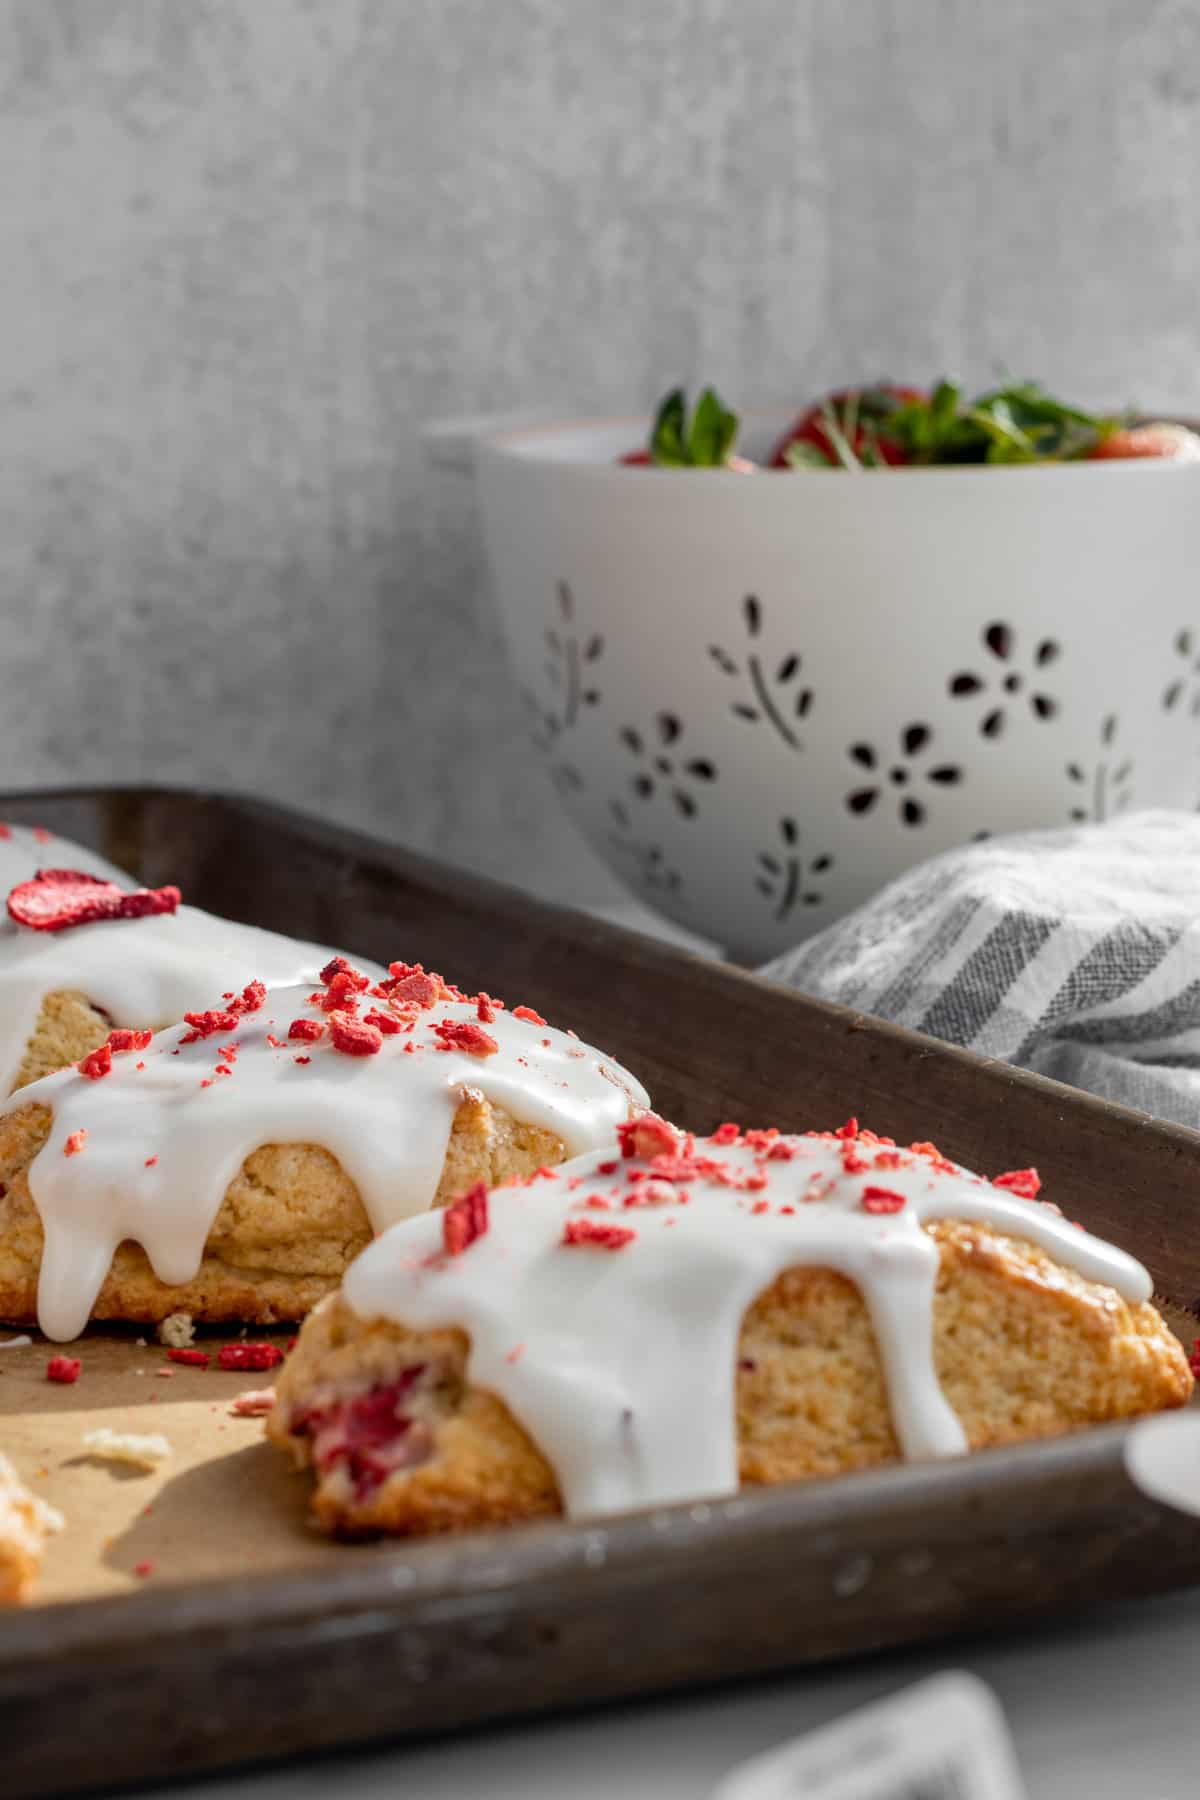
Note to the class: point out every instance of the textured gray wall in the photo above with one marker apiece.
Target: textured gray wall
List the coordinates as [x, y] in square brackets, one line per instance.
[249, 246]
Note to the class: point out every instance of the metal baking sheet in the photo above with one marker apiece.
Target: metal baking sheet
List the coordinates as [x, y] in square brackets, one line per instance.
[322, 1645]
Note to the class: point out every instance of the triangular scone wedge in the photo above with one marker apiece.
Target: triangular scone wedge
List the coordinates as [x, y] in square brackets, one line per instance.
[672, 1322]
[63, 990]
[25, 1522]
[234, 1166]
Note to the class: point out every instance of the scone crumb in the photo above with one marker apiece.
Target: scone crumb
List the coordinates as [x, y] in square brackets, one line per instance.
[178, 1330]
[146, 1450]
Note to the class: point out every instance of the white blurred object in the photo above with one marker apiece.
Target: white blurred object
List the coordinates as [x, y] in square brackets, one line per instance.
[945, 1739]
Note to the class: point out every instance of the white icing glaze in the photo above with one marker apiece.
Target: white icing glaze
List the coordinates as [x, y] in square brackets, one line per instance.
[620, 1363]
[25, 849]
[386, 1118]
[141, 972]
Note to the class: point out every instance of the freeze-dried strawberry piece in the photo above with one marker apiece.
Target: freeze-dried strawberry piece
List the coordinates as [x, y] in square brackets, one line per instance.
[729, 1133]
[527, 1013]
[1026, 1183]
[341, 992]
[251, 998]
[341, 966]
[249, 1356]
[599, 1236]
[96, 1064]
[417, 986]
[255, 1403]
[197, 1359]
[647, 1136]
[207, 1024]
[882, 1200]
[388, 1023]
[465, 1219]
[57, 898]
[307, 1029]
[354, 1037]
[75, 1142]
[123, 1039]
[64, 1369]
[464, 1034]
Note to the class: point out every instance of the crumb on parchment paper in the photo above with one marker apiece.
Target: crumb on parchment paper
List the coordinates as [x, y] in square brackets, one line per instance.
[177, 1330]
[146, 1450]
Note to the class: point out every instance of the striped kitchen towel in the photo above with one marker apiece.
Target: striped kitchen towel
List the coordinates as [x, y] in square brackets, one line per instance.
[1075, 953]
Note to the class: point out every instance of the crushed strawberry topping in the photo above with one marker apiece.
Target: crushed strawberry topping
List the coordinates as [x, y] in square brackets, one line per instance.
[881, 1200]
[75, 1142]
[729, 1133]
[252, 997]
[465, 1220]
[1194, 1359]
[196, 1359]
[207, 1024]
[466, 1035]
[309, 1030]
[96, 1064]
[249, 1356]
[527, 1013]
[65, 1369]
[122, 1039]
[598, 1236]
[1026, 1183]
[340, 965]
[387, 1022]
[354, 1037]
[55, 899]
[647, 1136]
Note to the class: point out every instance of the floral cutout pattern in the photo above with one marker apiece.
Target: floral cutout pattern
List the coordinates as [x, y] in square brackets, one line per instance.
[784, 879]
[651, 870]
[569, 661]
[1183, 692]
[780, 697]
[911, 766]
[1107, 783]
[1005, 683]
[664, 765]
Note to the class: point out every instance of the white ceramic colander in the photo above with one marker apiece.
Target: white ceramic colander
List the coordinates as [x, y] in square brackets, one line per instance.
[763, 696]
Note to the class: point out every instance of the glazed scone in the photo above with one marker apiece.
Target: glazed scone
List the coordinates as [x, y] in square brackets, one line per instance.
[233, 1166]
[25, 1523]
[64, 985]
[672, 1321]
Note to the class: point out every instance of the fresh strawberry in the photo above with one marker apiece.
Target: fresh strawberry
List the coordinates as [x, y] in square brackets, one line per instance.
[705, 441]
[858, 416]
[1160, 439]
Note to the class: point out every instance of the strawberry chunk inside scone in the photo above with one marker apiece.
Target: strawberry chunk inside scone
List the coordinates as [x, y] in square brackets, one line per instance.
[668, 1317]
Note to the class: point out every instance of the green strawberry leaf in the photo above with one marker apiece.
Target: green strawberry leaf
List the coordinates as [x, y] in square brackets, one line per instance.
[667, 438]
[703, 443]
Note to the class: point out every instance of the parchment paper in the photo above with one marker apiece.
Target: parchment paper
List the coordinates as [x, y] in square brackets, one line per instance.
[226, 1502]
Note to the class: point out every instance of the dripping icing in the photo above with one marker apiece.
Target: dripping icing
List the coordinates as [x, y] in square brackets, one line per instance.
[138, 972]
[626, 1377]
[164, 1141]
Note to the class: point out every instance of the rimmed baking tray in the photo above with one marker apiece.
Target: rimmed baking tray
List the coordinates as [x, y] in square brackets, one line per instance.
[427, 1637]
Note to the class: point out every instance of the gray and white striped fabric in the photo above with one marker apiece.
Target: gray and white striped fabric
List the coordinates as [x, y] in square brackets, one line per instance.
[1075, 953]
